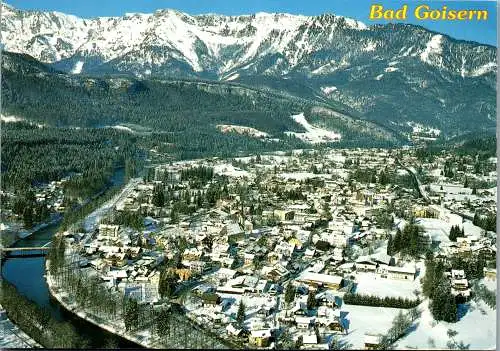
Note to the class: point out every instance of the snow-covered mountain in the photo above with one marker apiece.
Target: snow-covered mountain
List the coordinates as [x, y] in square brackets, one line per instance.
[264, 43]
[142, 43]
[381, 72]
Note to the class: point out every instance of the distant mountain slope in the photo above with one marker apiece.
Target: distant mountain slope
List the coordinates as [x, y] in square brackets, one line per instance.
[180, 111]
[393, 74]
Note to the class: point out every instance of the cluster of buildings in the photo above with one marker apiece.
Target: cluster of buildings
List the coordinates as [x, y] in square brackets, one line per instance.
[311, 220]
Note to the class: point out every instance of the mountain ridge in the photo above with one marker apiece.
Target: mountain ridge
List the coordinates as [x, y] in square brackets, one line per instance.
[392, 74]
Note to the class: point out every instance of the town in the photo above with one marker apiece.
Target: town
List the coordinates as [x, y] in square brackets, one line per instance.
[310, 249]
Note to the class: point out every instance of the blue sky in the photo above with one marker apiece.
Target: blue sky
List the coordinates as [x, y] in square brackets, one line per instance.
[480, 31]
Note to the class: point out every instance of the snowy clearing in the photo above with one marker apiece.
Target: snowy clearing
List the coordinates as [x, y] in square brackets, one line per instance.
[230, 171]
[313, 135]
[433, 47]
[328, 90]
[228, 128]
[364, 319]
[476, 328]
[373, 284]
[78, 67]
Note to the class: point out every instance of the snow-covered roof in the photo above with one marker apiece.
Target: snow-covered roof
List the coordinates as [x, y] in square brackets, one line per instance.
[322, 278]
[401, 269]
[262, 333]
[309, 339]
[372, 339]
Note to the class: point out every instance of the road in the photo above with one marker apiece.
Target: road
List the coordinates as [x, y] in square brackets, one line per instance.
[421, 188]
[93, 219]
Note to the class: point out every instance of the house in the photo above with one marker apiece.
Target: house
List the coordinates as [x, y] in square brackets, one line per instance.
[284, 215]
[249, 258]
[372, 342]
[400, 273]
[210, 299]
[490, 273]
[226, 273]
[260, 338]
[303, 322]
[366, 264]
[233, 331]
[265, 311]
[314, 280]
[327, 299]
[108, 230]
[309, 253]
[309, 339]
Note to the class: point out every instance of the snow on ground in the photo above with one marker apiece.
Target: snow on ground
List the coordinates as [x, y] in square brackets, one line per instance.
[364, 319]
[230, 171]
[232, 77]
[313, 135]
[303, 175]
[489, 67]
[477, 329]
[436, 228]
[433, 47]
[120, 127]
[9, 119]
[93, 219]
[77, 68]
[451, 189]
[471, 229]
[489, 283]
[370, 46]
[391, 69]
[373, 284]
[227, 128]
[420, 128]
[328, 90]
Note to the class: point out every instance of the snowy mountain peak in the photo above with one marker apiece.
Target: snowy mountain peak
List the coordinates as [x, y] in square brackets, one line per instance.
[206, 43]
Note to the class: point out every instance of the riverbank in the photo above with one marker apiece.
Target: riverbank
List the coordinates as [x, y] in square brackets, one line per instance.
[26, 233]
[142, 338]
[12, 336]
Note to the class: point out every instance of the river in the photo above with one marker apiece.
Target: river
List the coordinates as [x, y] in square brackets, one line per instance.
[27, 275]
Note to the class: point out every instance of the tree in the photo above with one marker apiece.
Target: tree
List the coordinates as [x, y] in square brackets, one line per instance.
[163, 324]
[299, 342]
[290, 293]
[311, 300]
[240, 315]
[174, 215]
[131, 314]
[158, 196]
[456, 232]
[390, 245]
[167, 283]
[443, 306]
[397, 244]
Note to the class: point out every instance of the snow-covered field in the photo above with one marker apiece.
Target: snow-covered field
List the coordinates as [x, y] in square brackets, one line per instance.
[230, 171]
[364, 319]
[437, 228]
[476, 329]
[303, 175]
[373, 284]
[313, 135]
[124, 128]
[227, 128]
[420, 128]
[8, 119]
[328, 90]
